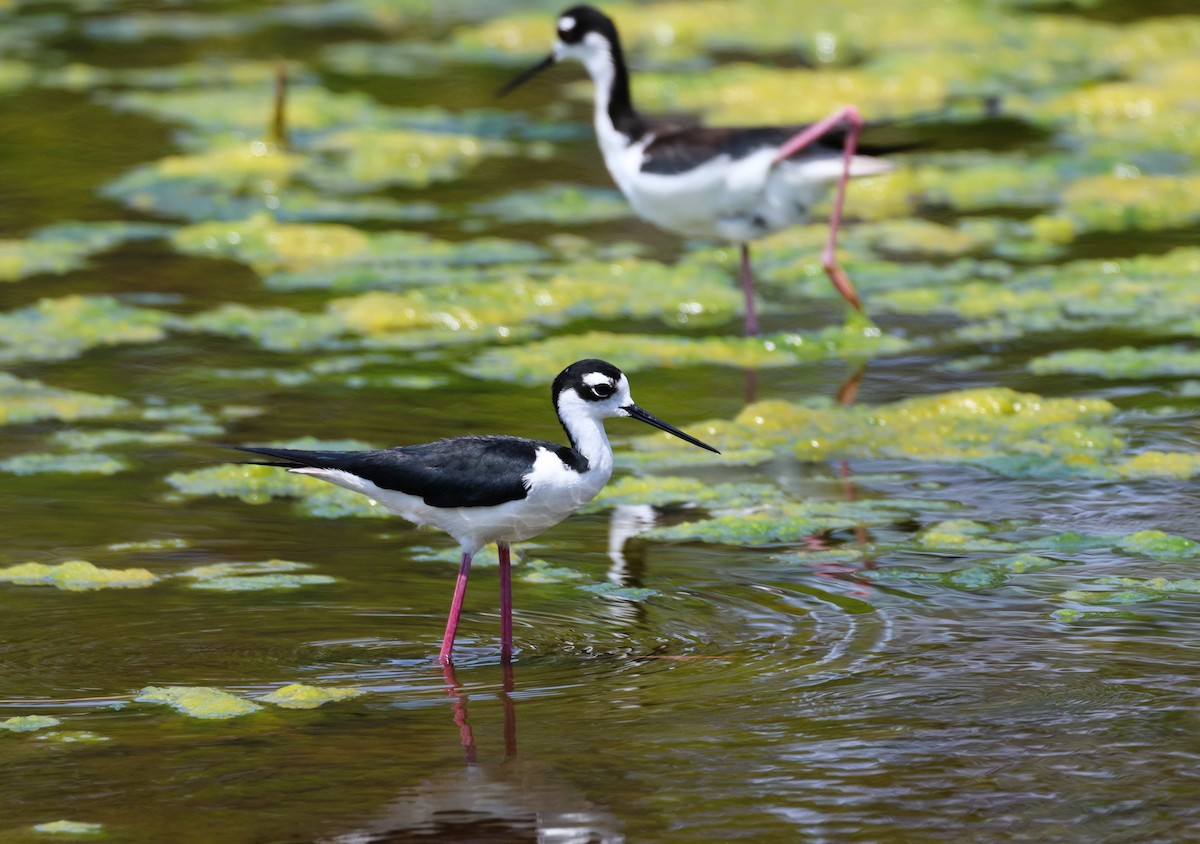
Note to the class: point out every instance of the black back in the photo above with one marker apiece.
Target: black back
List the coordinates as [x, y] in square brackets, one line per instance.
[458, 472]
[681, 150]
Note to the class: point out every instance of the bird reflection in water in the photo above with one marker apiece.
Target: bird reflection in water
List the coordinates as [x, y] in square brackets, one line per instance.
[514, 799]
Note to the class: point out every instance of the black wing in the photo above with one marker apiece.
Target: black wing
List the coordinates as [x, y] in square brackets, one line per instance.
[459, 472]
[681, 150]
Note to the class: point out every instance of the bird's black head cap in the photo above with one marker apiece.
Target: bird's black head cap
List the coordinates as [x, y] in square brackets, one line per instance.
[576, 22]
[574, 377]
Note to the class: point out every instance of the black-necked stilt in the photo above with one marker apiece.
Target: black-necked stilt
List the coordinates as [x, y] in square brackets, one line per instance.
[731, 184]
[494, 488]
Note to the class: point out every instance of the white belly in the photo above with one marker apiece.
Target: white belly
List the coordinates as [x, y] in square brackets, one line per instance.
[554, 492]
[736, 201]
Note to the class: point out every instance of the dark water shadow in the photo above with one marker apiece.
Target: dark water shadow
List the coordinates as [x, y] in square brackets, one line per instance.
[509, 799]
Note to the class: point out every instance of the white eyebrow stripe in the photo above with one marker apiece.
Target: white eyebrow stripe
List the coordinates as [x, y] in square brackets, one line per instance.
[566, 24]
[594, 378]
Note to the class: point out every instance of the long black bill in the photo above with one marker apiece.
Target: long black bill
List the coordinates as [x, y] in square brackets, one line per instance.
[525, 75]
[640, 415]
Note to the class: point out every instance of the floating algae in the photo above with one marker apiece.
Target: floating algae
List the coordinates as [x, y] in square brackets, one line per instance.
[538, 362]
[198, 701]
[320, 254]
[1123, 363]
[790, 521]
[539, 571]
[23, 401]
[78, 439]
[1153, 293]
[28, 723]
[262, 582]
[257, 484]
[606, 589]
[660, 490]
[276, 329]
[300, 696]
[80, 463]
[556, 203]
[64, 247]
[76, 576]
[603, 290]
[65, 827]
[988, 574]
[59, 329]
[1009, 433]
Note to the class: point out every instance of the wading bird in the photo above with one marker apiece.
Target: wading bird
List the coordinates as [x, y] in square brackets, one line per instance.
[493, 488]
[729, 184]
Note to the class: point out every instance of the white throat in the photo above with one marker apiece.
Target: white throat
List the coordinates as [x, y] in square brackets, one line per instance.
[586, 432]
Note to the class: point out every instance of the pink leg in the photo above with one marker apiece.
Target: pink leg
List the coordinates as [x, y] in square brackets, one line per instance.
[460, 592]
[506, 634]
[510, 711]
[748, 290]
[849, 115]
[453, 690]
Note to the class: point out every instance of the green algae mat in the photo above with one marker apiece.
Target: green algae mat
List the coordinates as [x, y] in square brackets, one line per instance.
[944, 575]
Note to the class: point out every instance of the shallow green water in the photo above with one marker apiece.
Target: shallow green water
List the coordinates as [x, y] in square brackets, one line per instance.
[960, 600]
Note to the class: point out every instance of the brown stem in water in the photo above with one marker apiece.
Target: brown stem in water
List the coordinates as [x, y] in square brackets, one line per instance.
[278, 132]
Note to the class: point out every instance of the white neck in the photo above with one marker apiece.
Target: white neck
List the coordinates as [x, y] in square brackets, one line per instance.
[613, 144]
[586, 431]
[591, 440]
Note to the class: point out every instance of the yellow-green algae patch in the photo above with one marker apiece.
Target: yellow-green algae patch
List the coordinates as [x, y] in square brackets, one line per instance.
[320, 253]
[300, 696]
[246, 108]
[1132, 590]
[1155, 293]
[962, 535]
[79, 463]
[539, 571]
[256, 484]
[964, 182]
[604, 290]
[607, 589]
[58, 329]
[25, 400]
[985, 575]
[276, 329]
[659, 490]
[1159, 545]
[198, 701]
[367, 159]
[28, 723]
[63, 247]
[1154, 110]
[537, 362]
[790, 521]
[1125, 362]
[837, 33]
[263, 582]
[1010, 433]
[14, 74]
[556, 203]
[76, 576]
[65, 827]
[234, 569]
[1128, 201]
